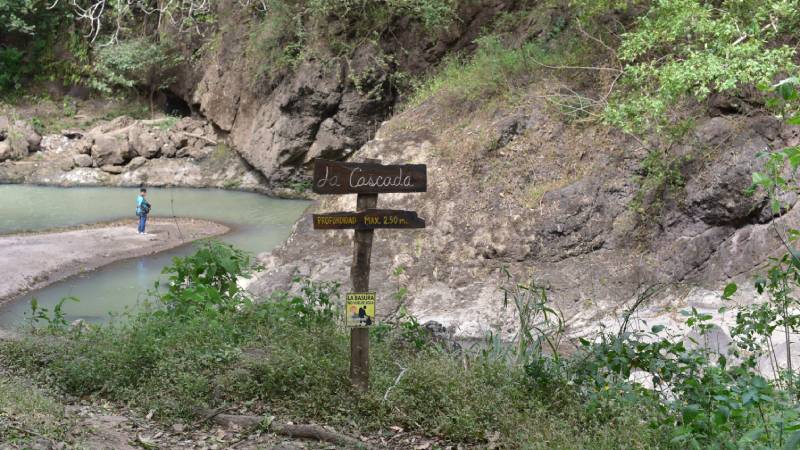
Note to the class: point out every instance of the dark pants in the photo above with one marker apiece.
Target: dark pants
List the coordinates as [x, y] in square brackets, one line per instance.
[142, 222]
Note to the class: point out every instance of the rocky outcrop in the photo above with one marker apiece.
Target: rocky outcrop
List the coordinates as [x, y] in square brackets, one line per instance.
[553, 202]
[17, 139]
[127, 152]
[123, 140]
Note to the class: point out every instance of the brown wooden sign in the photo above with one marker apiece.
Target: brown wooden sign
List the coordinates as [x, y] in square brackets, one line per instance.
[369, 219]
[335, 177]
[367, 179]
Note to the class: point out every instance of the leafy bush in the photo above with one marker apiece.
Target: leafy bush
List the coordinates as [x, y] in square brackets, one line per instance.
[292, 31]
[136, 63]
[495, 69]
[686, 49]
[432, 13]
[32, 31]
[206, 279]
[11, 69]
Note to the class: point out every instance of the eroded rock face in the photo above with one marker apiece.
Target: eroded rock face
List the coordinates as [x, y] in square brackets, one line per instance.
[314, 113]
[553, 203]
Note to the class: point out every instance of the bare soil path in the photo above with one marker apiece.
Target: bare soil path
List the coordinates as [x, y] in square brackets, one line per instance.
[33, 260]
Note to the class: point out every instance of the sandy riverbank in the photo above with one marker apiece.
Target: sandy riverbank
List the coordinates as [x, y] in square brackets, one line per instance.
[33, 260]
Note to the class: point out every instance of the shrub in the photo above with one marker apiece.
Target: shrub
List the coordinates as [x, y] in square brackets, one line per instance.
[11, 69]
[136, 63]
[686, 49]
[206, 279]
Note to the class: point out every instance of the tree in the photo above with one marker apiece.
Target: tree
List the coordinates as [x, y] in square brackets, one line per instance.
[137, 63]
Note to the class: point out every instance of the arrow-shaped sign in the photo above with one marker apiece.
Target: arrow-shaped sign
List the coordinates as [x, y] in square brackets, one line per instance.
[369, 219]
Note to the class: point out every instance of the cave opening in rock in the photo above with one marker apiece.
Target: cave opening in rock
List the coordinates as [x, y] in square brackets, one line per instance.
[174, 105]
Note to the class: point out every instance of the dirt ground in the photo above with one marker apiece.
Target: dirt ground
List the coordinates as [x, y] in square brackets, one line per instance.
[33, 260]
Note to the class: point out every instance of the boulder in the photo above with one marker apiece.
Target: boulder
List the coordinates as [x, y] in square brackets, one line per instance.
[5, 150]
[199, 151]
[168, 149]
[17, 139]
[84, 146]
[18, 143]
[4, 126]
[179, 139]
[136, 162]
[67, 164]
[82, 160]
[143, 142]
[116, 170]
[188, 123]
[110, 149]
[31, 137]
[116, 124]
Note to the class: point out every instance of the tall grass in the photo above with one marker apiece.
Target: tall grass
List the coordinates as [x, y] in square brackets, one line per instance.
[494, 70]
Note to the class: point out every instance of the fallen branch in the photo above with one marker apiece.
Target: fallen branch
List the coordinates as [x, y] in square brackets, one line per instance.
[612, 69]
[210, 141]
[763, 29]
[285, 429]
[23, 430]
[397, 380]
[156, 121]
[208, 415]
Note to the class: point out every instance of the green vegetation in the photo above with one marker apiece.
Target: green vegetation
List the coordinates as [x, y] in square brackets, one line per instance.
[494, 70]
[35, 30]
[685, 49]
[660, 178]
[675, 53]
[125, 45]
[650, 68]
[25, 409]
[203, 342]
[299, 186]
[136, 62]
[167, 123]
[288, 32]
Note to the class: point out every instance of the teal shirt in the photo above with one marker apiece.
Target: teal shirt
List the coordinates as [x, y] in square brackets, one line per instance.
[139, 201]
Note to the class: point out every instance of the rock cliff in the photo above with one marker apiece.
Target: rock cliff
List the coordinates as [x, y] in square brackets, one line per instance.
[329, 105]
[518, 187]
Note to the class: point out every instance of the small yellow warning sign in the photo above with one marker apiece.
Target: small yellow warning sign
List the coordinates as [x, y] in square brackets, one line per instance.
[360, 309]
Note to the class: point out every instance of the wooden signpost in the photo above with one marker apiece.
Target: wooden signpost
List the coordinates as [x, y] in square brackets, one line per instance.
[367, 179]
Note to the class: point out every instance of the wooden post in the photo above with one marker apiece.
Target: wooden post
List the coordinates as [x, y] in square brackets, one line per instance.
[359, 276]
[367, 179]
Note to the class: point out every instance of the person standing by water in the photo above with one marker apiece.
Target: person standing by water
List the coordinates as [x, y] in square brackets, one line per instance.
[142, 209]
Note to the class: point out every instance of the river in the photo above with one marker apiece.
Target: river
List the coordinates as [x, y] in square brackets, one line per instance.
[259, 223]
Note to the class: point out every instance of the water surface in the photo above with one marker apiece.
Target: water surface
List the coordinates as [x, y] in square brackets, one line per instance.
[259, 224]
